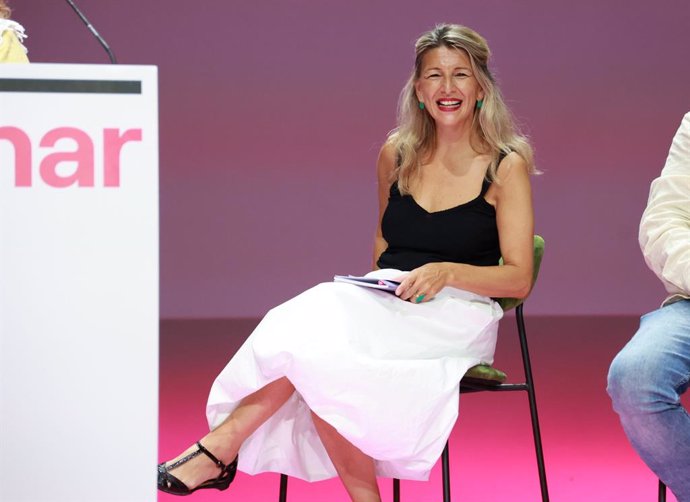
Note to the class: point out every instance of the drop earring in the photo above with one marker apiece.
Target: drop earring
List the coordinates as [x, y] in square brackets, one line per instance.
[421, 105]
[480, 103]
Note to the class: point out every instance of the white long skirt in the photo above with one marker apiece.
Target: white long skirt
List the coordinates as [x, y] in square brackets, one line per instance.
[382, 371]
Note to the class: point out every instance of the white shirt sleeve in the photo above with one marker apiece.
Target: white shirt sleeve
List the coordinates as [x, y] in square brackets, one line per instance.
[665, 227]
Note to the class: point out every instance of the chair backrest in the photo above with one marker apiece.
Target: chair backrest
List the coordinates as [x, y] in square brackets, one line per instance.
[511, 303]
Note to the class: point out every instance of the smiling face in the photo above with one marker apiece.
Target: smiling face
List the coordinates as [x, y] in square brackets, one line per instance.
[447, 87]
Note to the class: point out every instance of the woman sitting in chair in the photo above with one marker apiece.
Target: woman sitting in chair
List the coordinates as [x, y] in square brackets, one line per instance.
[357, 382]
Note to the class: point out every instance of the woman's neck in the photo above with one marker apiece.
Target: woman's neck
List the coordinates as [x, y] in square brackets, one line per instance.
[456, 143]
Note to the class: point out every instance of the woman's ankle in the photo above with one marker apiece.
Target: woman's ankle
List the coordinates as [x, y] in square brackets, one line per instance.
[222, 445]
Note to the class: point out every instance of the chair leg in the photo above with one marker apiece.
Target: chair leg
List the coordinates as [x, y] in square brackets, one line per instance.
[662, 491]
[532, 404]
[396, 490]
[445, 468]
[283, 488]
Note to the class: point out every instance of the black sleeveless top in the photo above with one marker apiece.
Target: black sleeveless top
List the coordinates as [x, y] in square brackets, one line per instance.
[462, 234]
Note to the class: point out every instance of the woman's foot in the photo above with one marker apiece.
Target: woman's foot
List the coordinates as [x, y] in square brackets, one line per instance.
[196, 468]
[193, 470]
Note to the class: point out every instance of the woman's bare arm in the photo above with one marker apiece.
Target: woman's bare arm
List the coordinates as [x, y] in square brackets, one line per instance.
[384, 172]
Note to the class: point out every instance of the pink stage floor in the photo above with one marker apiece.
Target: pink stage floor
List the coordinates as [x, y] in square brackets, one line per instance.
[588, 459]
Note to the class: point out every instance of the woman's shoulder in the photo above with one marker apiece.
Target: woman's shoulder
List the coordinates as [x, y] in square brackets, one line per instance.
[511, 165]
[512, 177]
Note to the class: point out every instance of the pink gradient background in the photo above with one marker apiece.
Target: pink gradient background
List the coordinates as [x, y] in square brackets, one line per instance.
[271, 117]
[587, 455]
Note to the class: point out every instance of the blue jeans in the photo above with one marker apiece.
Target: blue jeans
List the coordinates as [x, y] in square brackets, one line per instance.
[645, 382]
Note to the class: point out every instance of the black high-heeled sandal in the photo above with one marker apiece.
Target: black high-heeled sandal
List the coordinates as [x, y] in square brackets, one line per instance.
[170, 484]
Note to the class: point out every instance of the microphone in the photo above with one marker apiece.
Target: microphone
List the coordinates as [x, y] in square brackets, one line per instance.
[93, 30]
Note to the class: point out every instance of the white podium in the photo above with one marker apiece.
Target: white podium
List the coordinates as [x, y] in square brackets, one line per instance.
[78, 283]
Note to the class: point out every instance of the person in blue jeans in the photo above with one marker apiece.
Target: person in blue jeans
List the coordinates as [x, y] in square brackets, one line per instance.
[651, 372]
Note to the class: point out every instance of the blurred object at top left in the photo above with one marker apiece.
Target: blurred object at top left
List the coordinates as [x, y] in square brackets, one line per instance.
[11, 37]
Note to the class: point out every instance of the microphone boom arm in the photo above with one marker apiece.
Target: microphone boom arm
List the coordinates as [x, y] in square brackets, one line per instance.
[93, 30]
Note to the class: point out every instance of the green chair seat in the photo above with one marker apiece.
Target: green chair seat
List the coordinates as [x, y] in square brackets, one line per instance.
[485, 373]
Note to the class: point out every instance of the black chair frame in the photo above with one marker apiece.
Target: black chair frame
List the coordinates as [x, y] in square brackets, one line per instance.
[475, 385]
[467, 387]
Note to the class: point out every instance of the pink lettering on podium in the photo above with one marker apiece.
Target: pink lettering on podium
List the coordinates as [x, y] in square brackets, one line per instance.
[22, 154]
[112, 145]
[82, 156]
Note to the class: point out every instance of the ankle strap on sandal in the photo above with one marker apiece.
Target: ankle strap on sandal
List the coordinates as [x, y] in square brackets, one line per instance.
[192, 455]
[210, 455]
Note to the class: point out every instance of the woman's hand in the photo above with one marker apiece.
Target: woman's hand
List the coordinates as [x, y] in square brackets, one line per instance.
[423, 283]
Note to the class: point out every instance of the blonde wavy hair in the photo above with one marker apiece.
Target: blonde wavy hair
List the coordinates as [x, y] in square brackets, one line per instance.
[5, 10]
[494, 130]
